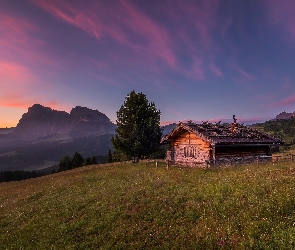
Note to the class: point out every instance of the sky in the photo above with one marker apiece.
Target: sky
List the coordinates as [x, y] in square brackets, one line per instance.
[196, 60]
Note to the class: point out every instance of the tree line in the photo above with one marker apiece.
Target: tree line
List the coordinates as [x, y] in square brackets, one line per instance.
[280, 128]
[67, 163]
[18, 175]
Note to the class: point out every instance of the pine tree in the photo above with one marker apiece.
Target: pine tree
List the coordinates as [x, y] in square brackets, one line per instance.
[109, 157]
[88, 161]
[93, 160]
[77, 160]
[138, 130]
[65, 164]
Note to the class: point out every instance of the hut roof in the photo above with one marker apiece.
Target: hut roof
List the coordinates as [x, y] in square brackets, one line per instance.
[223, 134]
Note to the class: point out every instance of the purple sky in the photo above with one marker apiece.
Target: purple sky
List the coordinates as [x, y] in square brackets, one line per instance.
[198, 60]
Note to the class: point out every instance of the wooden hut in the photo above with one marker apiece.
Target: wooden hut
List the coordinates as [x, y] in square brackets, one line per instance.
[208, 144]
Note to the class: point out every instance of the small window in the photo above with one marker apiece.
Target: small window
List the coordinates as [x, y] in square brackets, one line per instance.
[189, 151]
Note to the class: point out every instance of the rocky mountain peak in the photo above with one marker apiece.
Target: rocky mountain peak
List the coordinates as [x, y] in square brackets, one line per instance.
[42, 121]
[41, 114]
[86, 114]
[284, 115]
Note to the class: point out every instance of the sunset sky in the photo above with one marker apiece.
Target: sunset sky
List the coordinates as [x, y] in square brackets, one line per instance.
[198, 60]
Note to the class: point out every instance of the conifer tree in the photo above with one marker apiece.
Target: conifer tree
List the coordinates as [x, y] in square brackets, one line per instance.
[138, 130]
[65, 164]
[77, 160]
[93, 160]
[88, 161]
[109, 157]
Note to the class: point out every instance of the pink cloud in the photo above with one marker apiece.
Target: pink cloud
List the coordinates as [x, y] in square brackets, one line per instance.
[286, 83]
[203, 15]
[17, 42]
[16, 100]
[195, 23]
[15, 76]
[101, 21]
[158, 38]
[281, 15]
[19, 85]
[266, 98]
[195, 71]
[244, 73]
[216, 70]
[173, 111]
[73, 15]
[14, 30]
[155, 44]
[16, 83]
[240, 76]
[20, 101]
[287, 102]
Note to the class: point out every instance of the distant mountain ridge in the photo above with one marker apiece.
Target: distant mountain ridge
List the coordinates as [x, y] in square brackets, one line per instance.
[43, 136]
[284, 115]
[42, 121]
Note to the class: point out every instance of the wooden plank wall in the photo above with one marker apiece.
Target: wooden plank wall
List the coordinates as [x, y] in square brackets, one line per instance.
[230, 156]
[190, 150]
[242, 151]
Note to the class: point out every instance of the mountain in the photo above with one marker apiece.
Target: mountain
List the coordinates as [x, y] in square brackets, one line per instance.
[284, 115]
[167, 128]
[42, 121]
[43, 136]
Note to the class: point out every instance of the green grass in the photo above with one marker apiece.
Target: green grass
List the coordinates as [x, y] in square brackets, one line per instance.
[125, 206]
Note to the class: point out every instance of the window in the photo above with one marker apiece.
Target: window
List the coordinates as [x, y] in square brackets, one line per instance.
[189, 151]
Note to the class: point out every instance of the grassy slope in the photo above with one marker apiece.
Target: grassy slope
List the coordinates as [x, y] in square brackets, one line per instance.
[135, 207]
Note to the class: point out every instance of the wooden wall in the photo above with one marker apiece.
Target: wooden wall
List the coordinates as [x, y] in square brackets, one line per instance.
[242, 151]
[241, 155]
[189, 149]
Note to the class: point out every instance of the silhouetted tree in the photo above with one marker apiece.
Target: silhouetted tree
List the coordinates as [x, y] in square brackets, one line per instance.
[109, 157]
[138, 130]
[77, 160]
[65, 164]
[88, 161]
[93, 160]
[18, 175]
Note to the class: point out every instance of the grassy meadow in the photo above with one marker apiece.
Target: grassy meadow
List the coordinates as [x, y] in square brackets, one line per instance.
[134, 206]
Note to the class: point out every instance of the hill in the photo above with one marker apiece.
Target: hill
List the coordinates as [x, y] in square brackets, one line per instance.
[125, 206]
[280, 128]
[6, 130]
